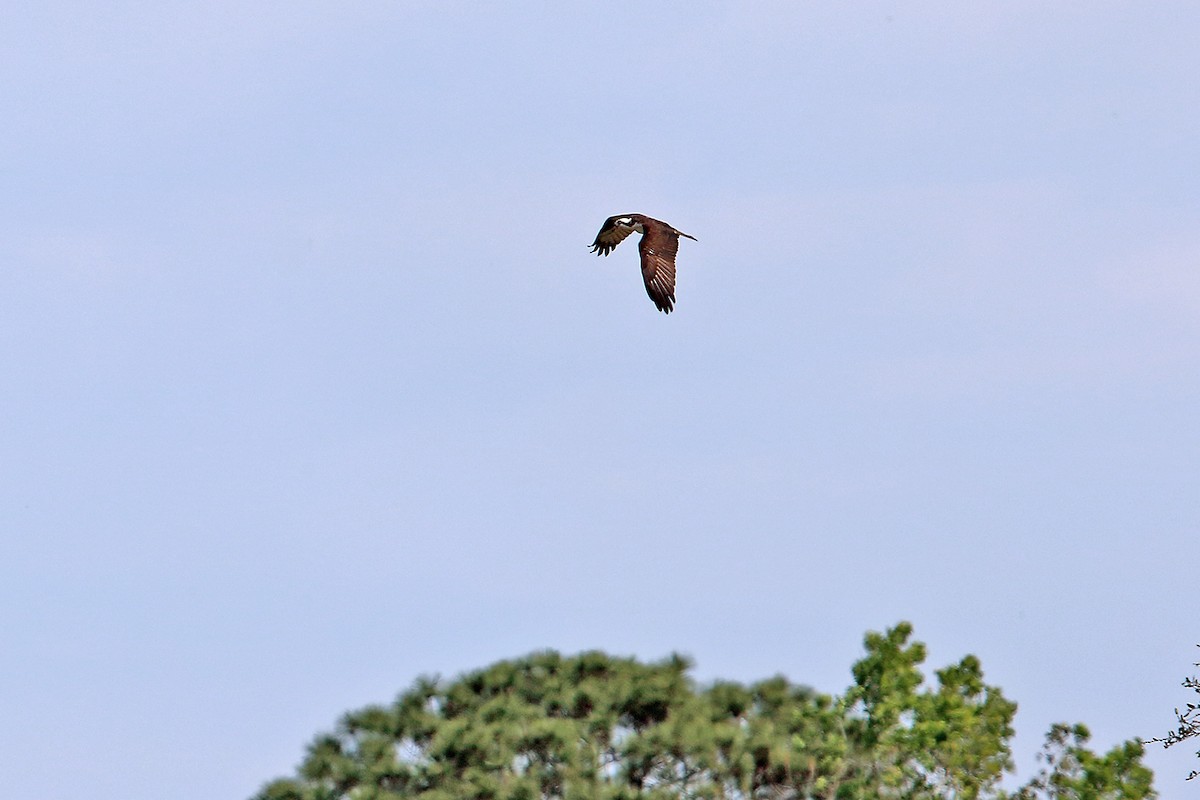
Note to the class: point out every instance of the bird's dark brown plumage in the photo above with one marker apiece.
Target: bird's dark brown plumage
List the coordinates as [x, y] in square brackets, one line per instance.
[659, 244]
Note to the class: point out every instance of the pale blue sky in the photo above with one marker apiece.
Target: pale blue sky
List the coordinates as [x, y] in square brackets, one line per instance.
[311, 384]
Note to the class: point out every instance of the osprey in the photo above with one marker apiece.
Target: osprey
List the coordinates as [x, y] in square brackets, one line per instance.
[659, 244]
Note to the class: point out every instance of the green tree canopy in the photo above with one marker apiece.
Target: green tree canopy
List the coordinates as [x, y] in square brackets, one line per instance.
[604, 728]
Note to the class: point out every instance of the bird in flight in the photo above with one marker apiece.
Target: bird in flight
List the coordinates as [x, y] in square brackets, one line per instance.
[659, 244]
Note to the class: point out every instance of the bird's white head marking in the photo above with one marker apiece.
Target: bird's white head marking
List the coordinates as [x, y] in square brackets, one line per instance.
[629, 222]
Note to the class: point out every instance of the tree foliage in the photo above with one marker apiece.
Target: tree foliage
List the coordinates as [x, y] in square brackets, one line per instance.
[1071, 770]
[596, 727]
[1187, 722]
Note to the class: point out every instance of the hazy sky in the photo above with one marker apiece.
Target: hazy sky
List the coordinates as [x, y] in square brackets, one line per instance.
[311, 385]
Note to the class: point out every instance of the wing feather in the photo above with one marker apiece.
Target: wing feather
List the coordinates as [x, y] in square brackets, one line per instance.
[658, 248]
[610, 235]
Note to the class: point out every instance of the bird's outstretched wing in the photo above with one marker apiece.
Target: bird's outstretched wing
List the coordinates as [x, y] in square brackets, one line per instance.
[610, 235]
[658, 248]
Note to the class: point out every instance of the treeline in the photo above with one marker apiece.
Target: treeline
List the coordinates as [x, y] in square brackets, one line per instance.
[594, 726]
